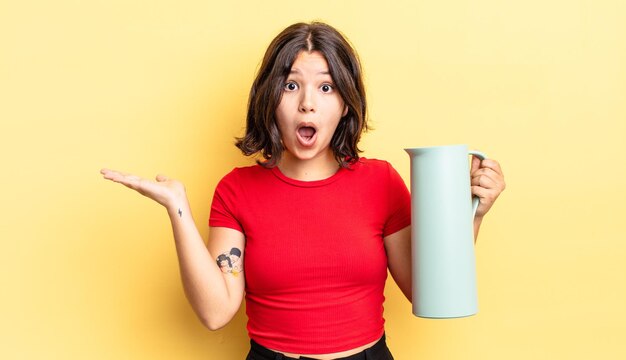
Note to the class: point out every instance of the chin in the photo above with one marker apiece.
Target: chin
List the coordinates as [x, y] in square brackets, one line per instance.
[309, 154]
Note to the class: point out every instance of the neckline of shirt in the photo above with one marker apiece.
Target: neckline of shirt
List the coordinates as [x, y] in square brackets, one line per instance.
[314, 183]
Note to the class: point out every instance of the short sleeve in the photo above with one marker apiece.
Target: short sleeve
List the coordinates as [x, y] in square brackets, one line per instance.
[224, 204]
[399, 203]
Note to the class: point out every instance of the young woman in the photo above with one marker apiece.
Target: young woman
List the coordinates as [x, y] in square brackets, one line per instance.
[315, 226]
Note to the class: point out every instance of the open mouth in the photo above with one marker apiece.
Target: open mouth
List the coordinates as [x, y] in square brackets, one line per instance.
[306, 135]
[306, 132]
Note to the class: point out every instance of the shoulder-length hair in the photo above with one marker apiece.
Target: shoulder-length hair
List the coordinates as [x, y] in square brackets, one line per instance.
[262, 133]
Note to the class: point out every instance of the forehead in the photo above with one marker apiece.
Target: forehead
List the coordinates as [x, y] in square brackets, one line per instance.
[310, 62]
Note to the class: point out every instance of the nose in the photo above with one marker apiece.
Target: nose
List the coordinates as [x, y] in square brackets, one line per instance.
[307, 101]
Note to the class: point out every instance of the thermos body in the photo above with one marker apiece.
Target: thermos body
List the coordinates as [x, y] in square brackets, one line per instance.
[443, 259]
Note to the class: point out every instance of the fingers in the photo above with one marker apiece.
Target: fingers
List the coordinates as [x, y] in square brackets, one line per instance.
[487, 188]
[486, 179]
[111, 174]
[489, 164]
[489, 174]
[487, 197]
[129, 180]
[481, 192]
[487, 182]
[108, 173]
[475, 163]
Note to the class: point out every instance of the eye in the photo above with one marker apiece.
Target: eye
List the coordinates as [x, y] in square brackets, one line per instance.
[326, 88]
[291, 86]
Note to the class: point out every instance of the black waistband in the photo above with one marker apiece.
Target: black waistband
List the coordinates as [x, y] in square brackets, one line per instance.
[268, 354]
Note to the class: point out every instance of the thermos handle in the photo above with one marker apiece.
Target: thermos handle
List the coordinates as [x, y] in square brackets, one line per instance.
[475, 199]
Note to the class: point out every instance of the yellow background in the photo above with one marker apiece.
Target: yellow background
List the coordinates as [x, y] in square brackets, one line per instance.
[88, 268]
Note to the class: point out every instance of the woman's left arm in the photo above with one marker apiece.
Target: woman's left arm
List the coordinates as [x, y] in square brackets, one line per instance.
[487, 183]
[398, 248]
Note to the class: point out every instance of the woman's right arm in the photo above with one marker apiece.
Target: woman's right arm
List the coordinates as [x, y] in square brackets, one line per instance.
[214, 292]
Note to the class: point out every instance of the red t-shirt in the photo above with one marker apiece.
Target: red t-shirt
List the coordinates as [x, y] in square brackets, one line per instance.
[314, 261]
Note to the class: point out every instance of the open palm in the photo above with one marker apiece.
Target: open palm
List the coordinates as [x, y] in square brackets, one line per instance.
[162, 190]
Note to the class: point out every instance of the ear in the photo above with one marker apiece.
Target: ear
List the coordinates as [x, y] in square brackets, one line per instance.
[345, 111]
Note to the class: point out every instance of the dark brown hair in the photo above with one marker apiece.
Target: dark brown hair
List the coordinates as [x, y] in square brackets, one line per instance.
[262, 133]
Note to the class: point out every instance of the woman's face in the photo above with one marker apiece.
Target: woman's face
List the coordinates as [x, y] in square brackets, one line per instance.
[309, 110]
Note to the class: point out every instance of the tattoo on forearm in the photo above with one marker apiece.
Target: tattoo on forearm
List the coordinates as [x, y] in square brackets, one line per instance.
[230, 262]
[180, 213]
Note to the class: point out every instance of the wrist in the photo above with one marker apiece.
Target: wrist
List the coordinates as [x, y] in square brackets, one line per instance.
[178, 206]
[478, 220]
